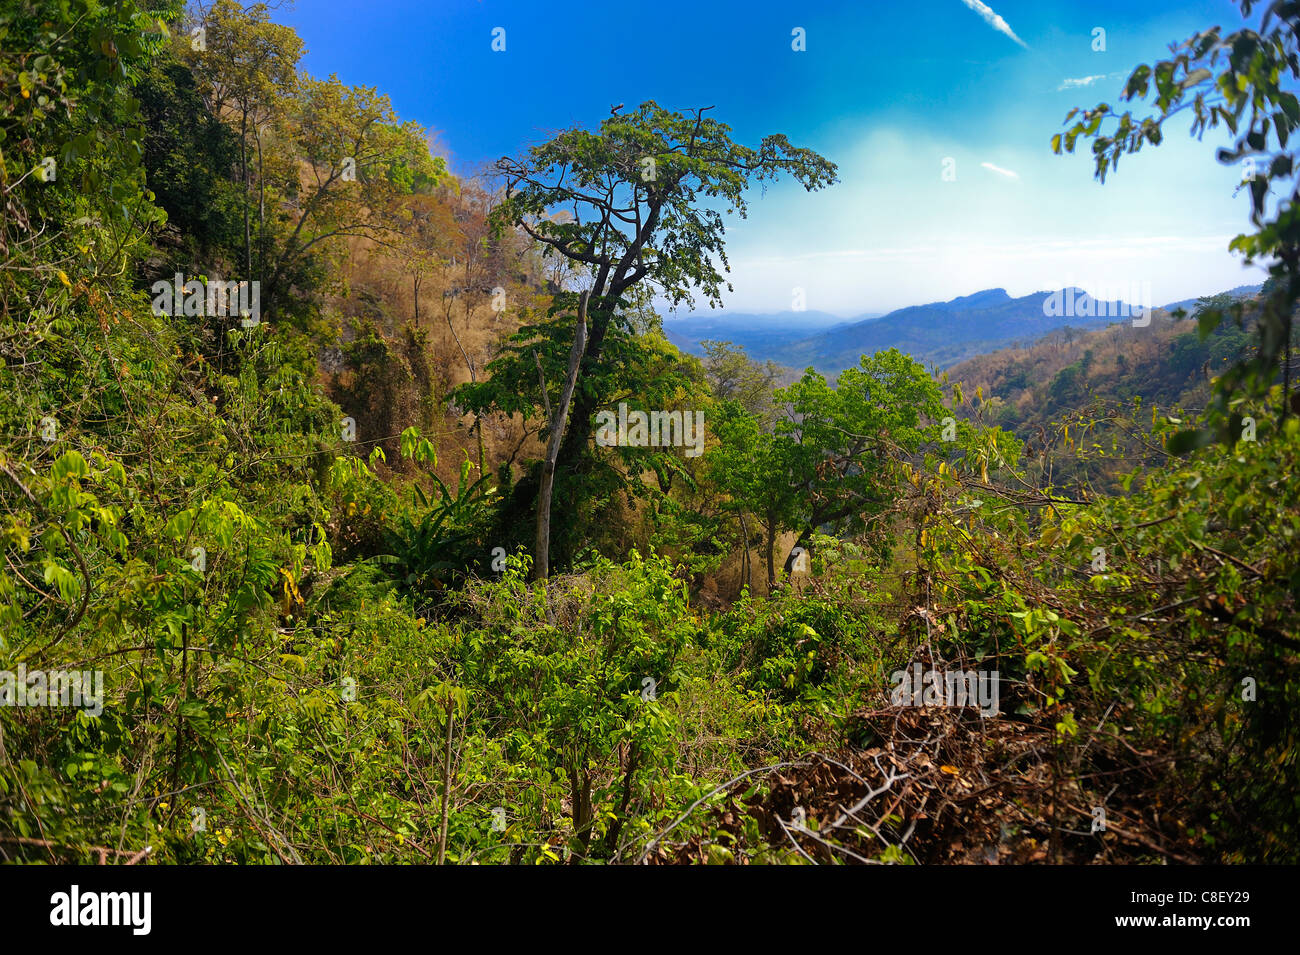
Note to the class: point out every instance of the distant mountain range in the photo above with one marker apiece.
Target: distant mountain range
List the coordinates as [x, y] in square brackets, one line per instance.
[941, 333]
[1241, 291]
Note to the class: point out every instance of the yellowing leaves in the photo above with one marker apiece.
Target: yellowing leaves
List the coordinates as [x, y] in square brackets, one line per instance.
[290, 597]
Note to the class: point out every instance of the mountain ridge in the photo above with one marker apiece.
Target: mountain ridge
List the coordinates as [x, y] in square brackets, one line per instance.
[938, 333]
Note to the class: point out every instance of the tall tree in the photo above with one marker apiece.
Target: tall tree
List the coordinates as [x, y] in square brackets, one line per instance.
[754, 467]
[247, 67]
[832, 461]
[850, 438]
[558, 422]
[642, 198]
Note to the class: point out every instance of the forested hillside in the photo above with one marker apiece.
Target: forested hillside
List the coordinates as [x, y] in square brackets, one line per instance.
[1110, 385]
[354, 511]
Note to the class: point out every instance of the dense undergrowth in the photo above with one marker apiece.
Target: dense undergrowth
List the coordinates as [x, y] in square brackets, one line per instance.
[319, 650]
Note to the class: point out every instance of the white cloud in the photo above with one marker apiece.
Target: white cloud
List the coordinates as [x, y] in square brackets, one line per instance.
[1010, 174]
[894, 232]
[1070, 84]
[993, 20]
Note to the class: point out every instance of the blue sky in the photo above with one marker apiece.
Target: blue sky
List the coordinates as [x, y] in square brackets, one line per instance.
[886, 91]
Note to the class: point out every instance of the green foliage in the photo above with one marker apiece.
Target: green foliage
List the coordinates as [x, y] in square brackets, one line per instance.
[309, 647]
[1237, 80]
[733, 375]
[637, 367]
[585, 679]
[666, 160]
[831, 460]
[191, 160]
[436, 540]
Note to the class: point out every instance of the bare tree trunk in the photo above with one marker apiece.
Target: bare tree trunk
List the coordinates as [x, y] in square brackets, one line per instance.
[446, 785]
[790, 558]
[482, 455]
[473, 375]
[580, 797]
[771, 554]
[261, 210]
[243, 163]
[541, 567]
[746, 570]
[616, 824]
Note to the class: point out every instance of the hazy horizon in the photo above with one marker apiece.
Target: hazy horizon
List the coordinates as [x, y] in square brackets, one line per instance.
[869, 313]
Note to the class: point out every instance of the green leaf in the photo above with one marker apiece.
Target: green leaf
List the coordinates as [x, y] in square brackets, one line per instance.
[1185, 442]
